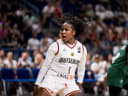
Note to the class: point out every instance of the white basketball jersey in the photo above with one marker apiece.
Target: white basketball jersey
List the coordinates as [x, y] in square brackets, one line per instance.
[65, 61]
[67, 58]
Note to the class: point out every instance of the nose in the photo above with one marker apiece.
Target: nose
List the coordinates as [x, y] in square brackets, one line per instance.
[63, 31]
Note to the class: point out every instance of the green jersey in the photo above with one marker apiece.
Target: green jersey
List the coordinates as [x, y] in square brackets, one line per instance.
[118, 72]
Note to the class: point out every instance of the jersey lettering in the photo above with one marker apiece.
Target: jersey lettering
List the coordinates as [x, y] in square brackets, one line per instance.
[69, 60]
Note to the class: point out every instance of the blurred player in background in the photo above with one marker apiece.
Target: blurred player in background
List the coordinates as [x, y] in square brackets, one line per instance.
[117, 77]
[63, 58]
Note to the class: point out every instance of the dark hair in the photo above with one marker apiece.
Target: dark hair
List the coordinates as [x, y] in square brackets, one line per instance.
[78, 24]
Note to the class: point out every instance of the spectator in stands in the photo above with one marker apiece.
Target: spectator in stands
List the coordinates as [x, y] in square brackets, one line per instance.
[58, 13]
[15, 30]
[58, 9]
[35, 52]
[100, 11]
[109, 13]
[4, 19]
[124, 36]
[107, 42]
[33, 43]
[44, 43]
[1, 30]
[30, 18]
[5, 30]
[108, 61]
[21, 41]
[90, 11]
[10, 62]
[82, 12]
[103, 64]
[20, 12]
[89, 61]
[36, 27]
[96, 48]
[2, 58]
[15, 37]
[100, 27]
[29, 55]
[89, 74]
[98, 73]
[38, 61]
[47, 12]
[27, 31]
[10, 11]
[88, 86]
[118, 13]
[24, 62]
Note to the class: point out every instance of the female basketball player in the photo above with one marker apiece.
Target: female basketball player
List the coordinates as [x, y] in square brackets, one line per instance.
[63, 58]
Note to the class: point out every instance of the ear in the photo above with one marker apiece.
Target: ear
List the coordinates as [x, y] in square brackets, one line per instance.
[74, 32]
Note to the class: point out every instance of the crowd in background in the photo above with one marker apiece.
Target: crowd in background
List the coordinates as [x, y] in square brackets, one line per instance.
[23, 30]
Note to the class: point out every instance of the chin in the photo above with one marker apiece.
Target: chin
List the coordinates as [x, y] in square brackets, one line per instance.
[64, 40]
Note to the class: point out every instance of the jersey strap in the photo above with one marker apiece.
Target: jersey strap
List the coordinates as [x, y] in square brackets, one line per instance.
[83, 48]
[58, 48]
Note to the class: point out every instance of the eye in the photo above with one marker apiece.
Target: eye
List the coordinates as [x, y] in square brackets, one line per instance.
[66, 29]
[62, 29]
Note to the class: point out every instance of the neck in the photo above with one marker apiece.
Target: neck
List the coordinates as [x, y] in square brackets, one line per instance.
[72, 41]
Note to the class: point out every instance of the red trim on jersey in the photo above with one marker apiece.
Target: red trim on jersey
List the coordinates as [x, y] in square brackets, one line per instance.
[58, 48]
[83, 48]
[73, 92]
[65, 85]
[72, 46]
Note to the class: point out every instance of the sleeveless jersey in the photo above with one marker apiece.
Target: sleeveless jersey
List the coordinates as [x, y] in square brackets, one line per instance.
[118, 72]
[64, 59]
[67, 58]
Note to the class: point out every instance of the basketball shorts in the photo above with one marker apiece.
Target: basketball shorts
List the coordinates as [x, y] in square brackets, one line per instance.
[54, 82]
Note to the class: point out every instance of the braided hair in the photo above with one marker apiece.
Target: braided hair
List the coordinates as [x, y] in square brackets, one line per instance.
[77, 24]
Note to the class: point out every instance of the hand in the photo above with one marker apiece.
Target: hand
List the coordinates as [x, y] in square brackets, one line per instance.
[80, 85]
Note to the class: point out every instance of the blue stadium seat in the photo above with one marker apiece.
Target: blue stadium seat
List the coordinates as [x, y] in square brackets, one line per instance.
[23, 73]
[35, 72]
[7, 73]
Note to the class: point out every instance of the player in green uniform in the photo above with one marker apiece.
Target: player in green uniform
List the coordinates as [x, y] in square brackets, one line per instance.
[117, 76]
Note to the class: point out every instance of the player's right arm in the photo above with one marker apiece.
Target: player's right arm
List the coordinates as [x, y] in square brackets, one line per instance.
[47, 62]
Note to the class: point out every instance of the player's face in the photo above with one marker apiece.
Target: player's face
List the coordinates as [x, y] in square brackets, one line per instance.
[67, 33]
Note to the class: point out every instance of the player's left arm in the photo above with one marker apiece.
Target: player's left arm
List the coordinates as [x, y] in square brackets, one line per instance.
[81, 66]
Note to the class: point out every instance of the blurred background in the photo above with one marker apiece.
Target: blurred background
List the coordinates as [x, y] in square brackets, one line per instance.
[28, 27]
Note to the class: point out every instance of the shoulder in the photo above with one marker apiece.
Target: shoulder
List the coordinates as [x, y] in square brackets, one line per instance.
[5, 61]
[54, 46]
[59, 41]
[84, 49]
[56, 43]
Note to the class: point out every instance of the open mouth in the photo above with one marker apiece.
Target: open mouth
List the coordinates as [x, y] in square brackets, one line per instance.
[64, 37]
